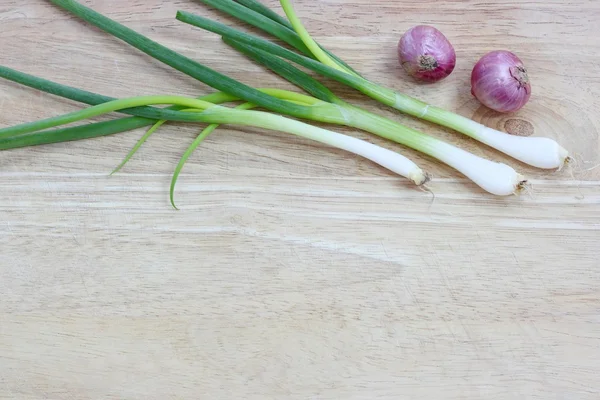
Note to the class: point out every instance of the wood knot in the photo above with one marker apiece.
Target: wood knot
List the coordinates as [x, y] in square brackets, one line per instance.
[519, 127]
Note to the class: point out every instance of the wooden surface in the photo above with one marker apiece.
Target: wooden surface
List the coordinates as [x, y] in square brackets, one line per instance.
[294, 271]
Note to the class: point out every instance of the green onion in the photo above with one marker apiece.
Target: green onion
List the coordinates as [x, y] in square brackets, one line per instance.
[540, 152]
[215, 114]
[108, 128]
[499, 179]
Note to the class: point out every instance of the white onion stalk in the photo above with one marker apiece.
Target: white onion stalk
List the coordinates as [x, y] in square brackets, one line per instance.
[215, 114]
[539, 152]
[386, 158]
[496, 178]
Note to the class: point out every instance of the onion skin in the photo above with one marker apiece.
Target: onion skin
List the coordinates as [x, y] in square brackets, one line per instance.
[499, 81]
[426, 54]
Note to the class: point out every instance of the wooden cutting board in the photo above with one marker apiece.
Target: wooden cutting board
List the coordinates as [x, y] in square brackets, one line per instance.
[292, 270]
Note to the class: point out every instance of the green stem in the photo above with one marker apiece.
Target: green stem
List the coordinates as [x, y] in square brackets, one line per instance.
[285, 70]
[254, 13]
[186, 155]
[138, 144]
[256, 6]
[307, 39]
[92, 130]
[296, 98]
[391, 130]
[353, 81]
[103, 109]
[288, 35]
[86, 97]
[91, 98]
[88, 131]
[322, 112]
[182, 63]
[260, 8]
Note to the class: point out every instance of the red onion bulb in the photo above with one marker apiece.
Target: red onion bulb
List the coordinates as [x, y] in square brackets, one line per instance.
[426, 54]
[499, 81]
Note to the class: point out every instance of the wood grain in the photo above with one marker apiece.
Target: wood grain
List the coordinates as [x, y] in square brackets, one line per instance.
[293, 270]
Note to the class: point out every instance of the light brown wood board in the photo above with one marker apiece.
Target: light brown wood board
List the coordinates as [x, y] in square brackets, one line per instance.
[293, 270]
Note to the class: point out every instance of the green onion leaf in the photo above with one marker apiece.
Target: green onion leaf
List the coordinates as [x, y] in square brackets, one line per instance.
[259, 16]
[88, 131]
[260, 8]
[182, 63]
[287, 70]
[107, 107]
[188, 152]
[270, 47]
[314, 48]
[86, 97]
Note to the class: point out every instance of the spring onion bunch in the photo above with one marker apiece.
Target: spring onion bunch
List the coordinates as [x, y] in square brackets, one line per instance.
[496, 178]
[539, 152]
[502, 179]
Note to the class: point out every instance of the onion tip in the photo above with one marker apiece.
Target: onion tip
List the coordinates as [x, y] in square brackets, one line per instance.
[419, 177]
[522, 184]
